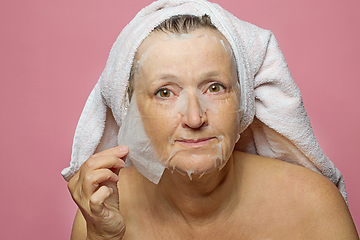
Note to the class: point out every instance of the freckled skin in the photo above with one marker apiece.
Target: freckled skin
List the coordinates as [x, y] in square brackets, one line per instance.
[199, 67]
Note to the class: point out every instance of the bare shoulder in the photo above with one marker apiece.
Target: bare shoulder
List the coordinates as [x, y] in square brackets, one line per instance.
[297, 191]
[295, 179]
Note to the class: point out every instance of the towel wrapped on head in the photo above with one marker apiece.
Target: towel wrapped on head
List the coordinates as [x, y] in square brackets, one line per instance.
[274, 122]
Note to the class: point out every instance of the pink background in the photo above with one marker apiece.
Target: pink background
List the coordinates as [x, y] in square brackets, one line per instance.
[52, 53]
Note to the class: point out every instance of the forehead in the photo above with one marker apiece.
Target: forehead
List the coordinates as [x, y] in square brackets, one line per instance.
[200, 39]
[184, 56]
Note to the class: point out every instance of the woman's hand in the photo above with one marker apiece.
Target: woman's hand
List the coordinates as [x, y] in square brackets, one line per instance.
[94, 189]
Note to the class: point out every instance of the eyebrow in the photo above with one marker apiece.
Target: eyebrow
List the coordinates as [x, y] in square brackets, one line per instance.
[167, 76]
[212, 74]
[206, 75]
[163, 77]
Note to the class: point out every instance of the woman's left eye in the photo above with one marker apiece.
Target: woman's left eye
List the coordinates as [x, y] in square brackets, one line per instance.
[214, 88]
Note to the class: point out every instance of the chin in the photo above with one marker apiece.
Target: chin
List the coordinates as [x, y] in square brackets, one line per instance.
[195, 164]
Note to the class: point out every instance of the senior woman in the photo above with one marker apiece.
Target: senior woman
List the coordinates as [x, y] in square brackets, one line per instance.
[200, 80]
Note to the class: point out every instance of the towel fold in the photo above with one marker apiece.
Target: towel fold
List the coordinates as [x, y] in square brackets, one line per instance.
[274, 123]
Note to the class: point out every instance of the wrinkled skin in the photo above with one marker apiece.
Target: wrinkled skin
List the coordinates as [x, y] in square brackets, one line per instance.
[187, 90]
[94, 189]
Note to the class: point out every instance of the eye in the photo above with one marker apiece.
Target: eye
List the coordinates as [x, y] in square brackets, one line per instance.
[164, 93]
[216, 87]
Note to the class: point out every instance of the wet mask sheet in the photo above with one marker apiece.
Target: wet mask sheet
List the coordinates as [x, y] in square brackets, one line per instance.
[141, 151]
[187, 127]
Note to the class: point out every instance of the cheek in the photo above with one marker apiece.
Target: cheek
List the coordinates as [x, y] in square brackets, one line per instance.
[160, 132]
[159, 128]
[227, 122]
[158, 125]
[228, 114]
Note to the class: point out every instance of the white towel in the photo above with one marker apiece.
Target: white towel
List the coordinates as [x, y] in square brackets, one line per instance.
[274, 124]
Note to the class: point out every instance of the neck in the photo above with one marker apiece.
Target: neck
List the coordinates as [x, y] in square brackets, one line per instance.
[197, 200]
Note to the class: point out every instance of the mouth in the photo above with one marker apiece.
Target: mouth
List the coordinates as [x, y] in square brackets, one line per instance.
[195, 142]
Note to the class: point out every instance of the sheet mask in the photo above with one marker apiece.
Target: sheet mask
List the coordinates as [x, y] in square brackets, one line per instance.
[149, 160]
[206, 107]
[183, 102]
[141, 152]
[183, 37]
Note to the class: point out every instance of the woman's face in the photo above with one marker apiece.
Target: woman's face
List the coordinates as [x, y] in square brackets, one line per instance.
[187, 92]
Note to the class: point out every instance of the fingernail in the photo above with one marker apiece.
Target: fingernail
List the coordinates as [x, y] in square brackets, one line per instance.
[123, 148]
[122, 162]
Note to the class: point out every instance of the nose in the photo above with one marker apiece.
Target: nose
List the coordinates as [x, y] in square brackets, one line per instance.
[194, 117]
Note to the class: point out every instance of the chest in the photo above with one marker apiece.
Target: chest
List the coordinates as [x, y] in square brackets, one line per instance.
[262, 215]
[255, 226]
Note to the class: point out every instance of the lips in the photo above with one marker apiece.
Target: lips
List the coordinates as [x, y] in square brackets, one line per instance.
[195, 142]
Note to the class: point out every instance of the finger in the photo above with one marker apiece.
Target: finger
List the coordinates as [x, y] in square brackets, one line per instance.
[119, 151]
[103, 161]
[113, 199]
[109, 163]
[73, 182]
[97, 201]
[94, 179]
[110, 158]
